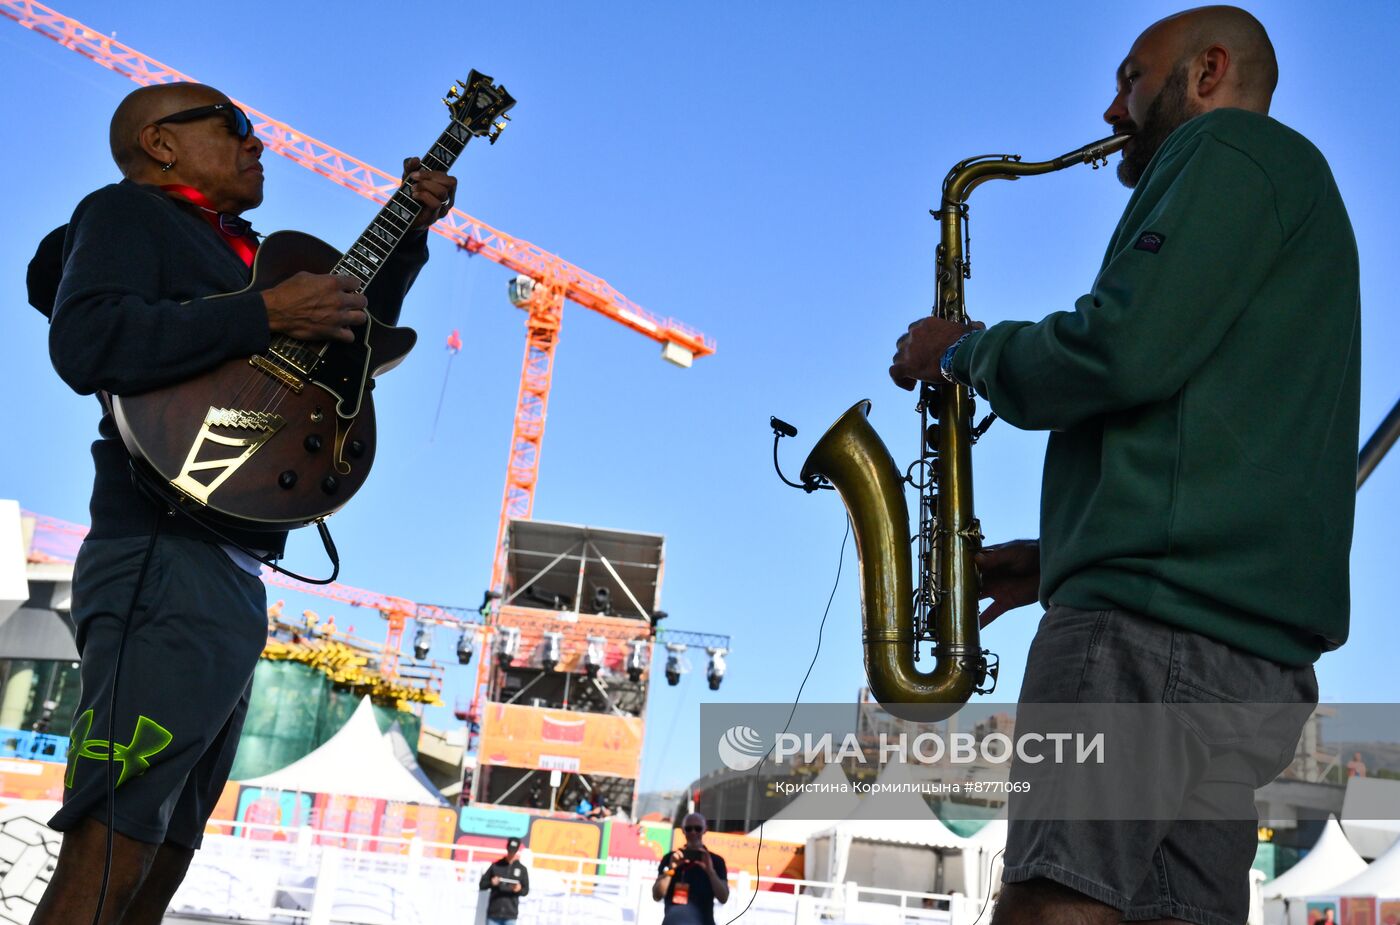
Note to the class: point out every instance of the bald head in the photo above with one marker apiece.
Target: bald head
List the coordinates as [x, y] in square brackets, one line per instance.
[1251, 75]
[145, 105]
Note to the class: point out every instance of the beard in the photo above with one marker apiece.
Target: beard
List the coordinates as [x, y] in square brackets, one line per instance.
[1167, 112]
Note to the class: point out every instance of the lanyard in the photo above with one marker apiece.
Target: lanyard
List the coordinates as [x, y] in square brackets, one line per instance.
[235, 232]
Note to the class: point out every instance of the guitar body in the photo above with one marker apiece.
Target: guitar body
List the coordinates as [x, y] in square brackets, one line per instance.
[268, 442]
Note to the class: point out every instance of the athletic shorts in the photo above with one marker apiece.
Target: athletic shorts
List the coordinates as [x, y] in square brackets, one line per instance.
[199, 625]
[1210, 724]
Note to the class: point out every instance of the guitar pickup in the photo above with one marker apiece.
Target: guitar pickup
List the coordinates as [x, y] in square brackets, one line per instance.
[277, 372]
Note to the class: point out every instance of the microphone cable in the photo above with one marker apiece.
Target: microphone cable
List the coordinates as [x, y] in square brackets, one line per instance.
[758, 853]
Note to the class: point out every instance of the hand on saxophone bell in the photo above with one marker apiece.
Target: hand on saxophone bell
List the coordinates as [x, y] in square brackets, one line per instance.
[918, 352]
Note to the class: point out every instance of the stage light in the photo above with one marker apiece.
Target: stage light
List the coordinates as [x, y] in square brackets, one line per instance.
[550, 657]
[637, 657]
[465, 648]
[593, 655]
[674, 665]
[714, 672]
[507, 643]
[422, 641]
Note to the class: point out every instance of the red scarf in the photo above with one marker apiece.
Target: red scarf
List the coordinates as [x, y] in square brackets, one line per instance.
[235, 232]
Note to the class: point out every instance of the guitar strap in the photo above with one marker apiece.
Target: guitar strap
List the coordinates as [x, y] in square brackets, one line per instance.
[236, 232]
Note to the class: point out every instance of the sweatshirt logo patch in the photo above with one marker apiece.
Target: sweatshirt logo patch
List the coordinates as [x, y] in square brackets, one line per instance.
[1150, 241]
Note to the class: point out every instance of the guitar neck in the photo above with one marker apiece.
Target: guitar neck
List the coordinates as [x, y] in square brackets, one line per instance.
[366, 257]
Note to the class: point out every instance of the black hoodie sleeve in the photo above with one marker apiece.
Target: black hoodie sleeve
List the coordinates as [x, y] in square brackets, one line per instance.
[45, 270]
[113, 327]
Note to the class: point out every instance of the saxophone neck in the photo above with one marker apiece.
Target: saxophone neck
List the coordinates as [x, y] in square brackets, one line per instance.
[969, 174]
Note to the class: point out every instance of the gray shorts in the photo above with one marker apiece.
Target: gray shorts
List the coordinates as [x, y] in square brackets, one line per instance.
[1192, 865]
[199, 626]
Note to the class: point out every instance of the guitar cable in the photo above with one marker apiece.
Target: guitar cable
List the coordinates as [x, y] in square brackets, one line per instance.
[156, 496]
[758, 852]
[112, 722]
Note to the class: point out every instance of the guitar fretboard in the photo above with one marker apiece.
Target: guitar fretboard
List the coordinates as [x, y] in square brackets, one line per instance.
[367, 256]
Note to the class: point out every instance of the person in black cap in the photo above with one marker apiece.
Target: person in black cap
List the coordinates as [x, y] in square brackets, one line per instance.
[508, 880]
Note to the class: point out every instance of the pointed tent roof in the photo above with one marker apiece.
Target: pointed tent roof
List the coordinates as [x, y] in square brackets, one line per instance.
[404, 753]
[1368, 815]
[1380, 879]
[357, 761]
[795, 821]
[1331, 861]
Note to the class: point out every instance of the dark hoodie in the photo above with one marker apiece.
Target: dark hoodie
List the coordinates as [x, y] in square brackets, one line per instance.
[127, 295]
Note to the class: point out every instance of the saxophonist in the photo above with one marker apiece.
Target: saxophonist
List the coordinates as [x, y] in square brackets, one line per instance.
[1199, 481]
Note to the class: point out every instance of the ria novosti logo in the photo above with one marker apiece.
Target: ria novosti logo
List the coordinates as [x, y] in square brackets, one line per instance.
[741, 748]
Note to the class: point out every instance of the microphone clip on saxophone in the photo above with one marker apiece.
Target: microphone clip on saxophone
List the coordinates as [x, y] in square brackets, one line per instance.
[809, 483]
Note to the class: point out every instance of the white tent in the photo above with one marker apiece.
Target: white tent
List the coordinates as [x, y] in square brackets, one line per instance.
[893, 840]
[358, 761]
[1331, 861]
[830, 797]
[1381, 878]
[991, 842]
[1371, 814]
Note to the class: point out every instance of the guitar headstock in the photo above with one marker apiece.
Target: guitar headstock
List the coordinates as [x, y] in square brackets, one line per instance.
[478, 105]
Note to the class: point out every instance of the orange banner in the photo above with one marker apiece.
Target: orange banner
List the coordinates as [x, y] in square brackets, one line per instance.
[741, 852]
[585, 743]
[22, 779]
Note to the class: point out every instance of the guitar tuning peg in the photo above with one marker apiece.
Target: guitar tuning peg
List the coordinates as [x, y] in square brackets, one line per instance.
[500, 127]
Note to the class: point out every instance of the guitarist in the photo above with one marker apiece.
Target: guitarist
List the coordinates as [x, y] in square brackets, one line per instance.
[184, 616]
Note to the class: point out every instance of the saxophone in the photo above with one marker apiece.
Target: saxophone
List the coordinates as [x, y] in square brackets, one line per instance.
[943, 609]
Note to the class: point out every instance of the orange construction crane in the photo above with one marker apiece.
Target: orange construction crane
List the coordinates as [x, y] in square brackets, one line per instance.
[546, 280]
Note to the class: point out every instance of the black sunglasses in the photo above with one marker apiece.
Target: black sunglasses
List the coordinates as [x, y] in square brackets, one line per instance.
[236, 118]
[692, 828]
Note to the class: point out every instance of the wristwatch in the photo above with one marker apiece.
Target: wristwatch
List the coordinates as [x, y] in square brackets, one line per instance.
[945, 365]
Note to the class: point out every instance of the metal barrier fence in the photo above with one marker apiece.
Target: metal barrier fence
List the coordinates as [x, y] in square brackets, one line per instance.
[268, 873]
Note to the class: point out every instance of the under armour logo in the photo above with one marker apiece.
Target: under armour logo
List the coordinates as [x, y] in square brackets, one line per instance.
[149, 739]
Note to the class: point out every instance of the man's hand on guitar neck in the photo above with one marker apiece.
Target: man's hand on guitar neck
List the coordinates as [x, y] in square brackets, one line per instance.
[316, 307]
[434, 189]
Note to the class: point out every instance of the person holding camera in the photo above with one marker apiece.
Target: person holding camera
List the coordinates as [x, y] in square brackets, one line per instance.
[690, 879]
[508, 880]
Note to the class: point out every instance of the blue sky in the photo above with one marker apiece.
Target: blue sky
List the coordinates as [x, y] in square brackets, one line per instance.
[759, 171]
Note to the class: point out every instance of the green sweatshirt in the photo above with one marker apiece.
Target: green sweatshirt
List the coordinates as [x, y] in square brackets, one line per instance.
[1203, 397]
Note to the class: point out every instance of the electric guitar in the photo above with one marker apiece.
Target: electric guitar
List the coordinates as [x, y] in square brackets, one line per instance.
[286, 437]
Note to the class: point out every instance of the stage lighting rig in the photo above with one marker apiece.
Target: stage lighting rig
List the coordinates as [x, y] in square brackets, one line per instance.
[675, 664]
[714, 672]
[553, 643]
[507, 643]
[638, 655]
[422, 641]
[594, 655]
